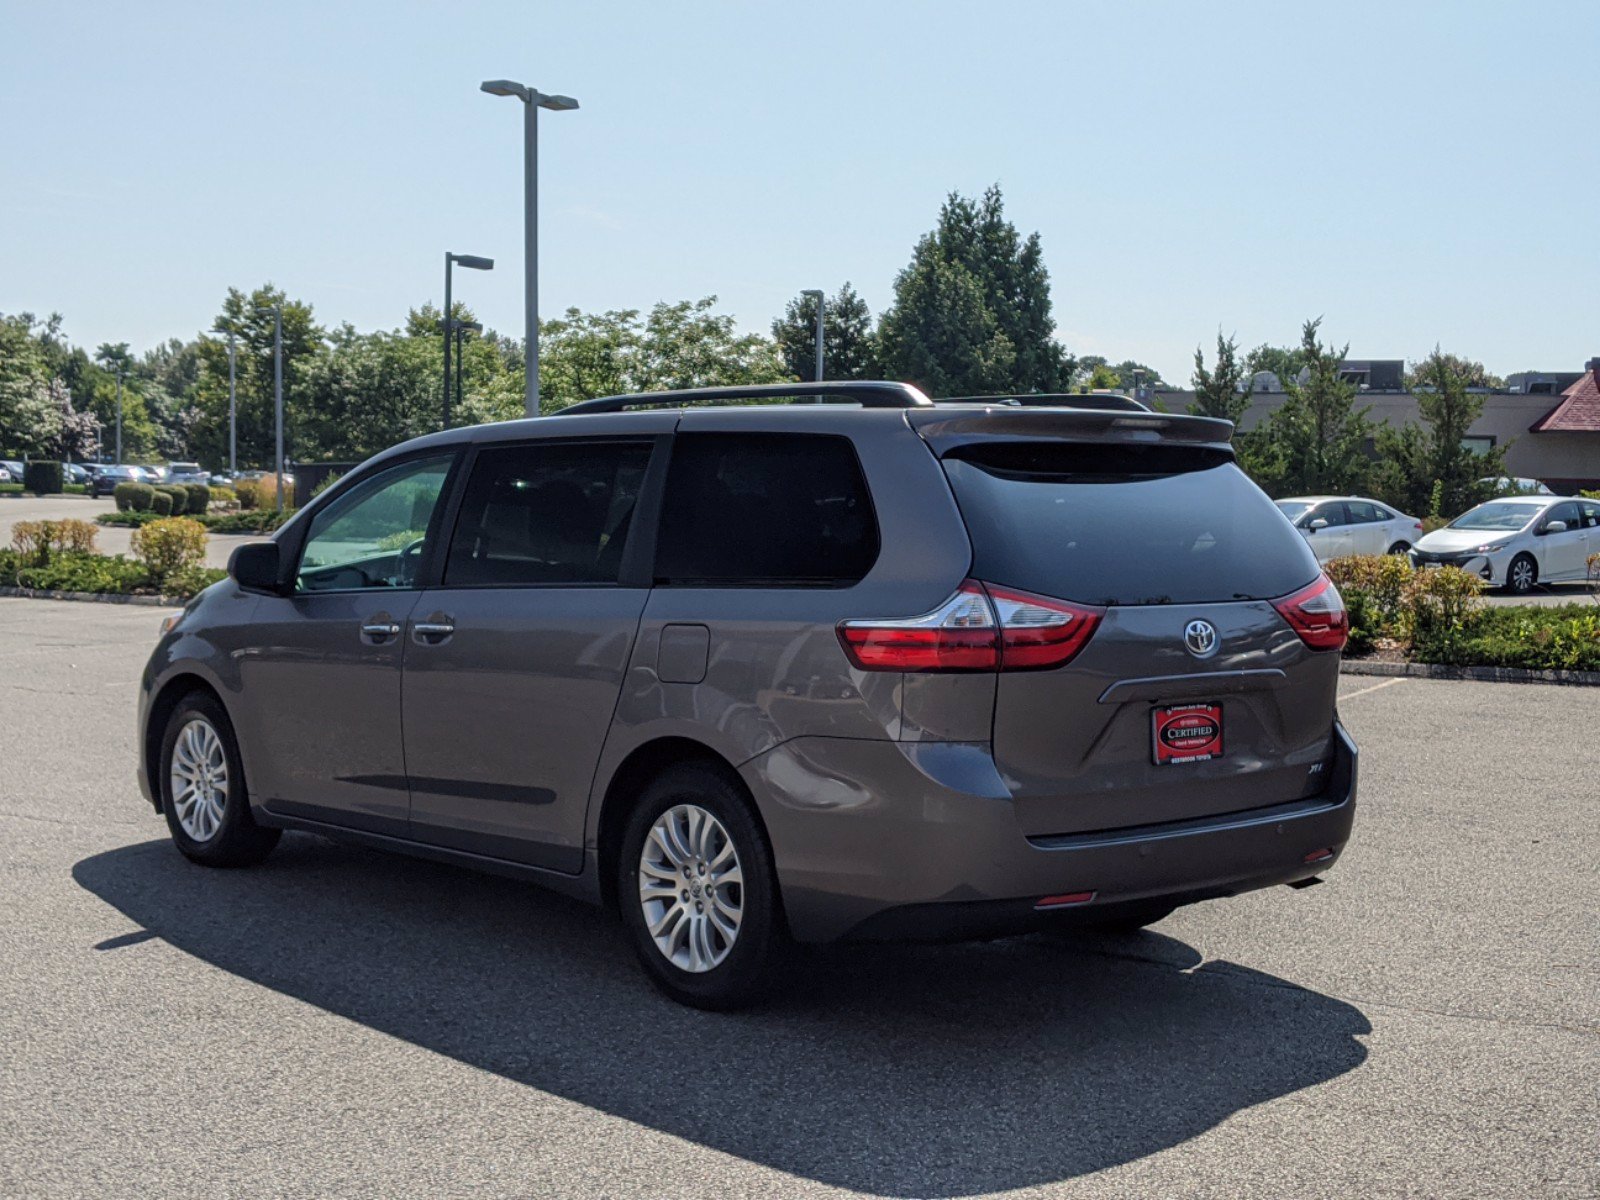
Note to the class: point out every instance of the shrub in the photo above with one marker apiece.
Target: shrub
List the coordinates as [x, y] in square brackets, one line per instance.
[133, 497]
[224, 497]
[31, 541]
[1557, 638]
[1440, 600]
[180, 497]
[248, 522]
[199, 497]
[327, 483]
[78, 572]
[161, 504]
[169, 548]
[261, 493]
[127, 520]
[44, 478]
[36, 542]
[1381, 579]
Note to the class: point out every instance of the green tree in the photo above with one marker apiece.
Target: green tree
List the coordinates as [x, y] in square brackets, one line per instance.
[250, 317]
[37, 413]
[971, 313]
[849, 342]
[1471, 374]
[681, 345]
[1283, 361]
[1316, 442]
[1223, 390]
[1418, 463]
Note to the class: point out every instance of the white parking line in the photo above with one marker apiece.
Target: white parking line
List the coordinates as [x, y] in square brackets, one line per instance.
[1373, 688]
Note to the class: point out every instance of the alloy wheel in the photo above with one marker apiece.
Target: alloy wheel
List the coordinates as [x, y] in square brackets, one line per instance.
[199, 779]
[691, 888]
[1521, 575]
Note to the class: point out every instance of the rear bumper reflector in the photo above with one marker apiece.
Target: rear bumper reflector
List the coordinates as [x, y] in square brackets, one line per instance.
[1065, 900]
[1317, 856]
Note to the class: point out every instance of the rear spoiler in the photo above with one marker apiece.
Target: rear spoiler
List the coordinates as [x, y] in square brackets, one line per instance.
[947, 429]
[1103, 400]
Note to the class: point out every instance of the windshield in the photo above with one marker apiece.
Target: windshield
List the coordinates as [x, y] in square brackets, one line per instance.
[1497, 514]
[1114, 524]
[1294, 509]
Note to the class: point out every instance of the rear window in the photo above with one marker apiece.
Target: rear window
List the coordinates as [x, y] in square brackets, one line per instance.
[765, 510]
[1110, 524]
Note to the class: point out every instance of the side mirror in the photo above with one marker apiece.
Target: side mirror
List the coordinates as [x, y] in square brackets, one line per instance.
[1318, 523]
[254, 567]
[1554, 527]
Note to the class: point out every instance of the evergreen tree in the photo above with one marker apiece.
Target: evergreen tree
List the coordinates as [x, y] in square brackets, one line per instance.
[849, 343]
[971, 313]
[1221, 391]
[1414, 462]
[1318, 437]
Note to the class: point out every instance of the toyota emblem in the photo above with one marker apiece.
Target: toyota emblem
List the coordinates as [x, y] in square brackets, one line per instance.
[1200, 638]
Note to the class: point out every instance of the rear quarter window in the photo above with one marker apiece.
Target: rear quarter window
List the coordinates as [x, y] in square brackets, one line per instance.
[1124, 524]
[765, 510]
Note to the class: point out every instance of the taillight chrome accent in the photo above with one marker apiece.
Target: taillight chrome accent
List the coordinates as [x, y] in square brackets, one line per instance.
[1037, 631]
[959, 635]
[981, 627]
[1317, 613]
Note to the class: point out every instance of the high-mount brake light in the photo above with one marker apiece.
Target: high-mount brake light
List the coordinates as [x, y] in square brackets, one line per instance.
[981, 627]
[1317, 613]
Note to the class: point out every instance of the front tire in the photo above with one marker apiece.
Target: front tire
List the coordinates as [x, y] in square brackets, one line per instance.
[203, 790]
[1522, 575]
[1399, 548]
[697, 889]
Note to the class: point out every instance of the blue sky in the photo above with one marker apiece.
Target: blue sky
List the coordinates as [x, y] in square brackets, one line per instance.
[1416, 173]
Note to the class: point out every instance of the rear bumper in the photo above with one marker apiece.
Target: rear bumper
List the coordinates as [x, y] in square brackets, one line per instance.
[883, 840]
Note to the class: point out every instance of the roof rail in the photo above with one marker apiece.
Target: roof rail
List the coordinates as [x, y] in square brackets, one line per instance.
[1107, 401]
[867, 393]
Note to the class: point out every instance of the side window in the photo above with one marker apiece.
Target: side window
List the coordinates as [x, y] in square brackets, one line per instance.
[1332, 513]
[1567, 513]
[1591, 514]
[374, 535]
[1362, 513]
[550, 512]
[765, 510]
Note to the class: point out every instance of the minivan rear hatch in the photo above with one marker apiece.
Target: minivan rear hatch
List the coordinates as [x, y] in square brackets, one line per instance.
[1195, 696]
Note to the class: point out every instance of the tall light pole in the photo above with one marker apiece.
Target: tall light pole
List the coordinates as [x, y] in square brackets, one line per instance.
[119, 414]
[477, 264]
[462, 328]
[532, 101]
[277, 390]
[233, 409]
[817, 292]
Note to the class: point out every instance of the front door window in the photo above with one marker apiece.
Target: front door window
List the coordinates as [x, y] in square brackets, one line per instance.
[374, 536]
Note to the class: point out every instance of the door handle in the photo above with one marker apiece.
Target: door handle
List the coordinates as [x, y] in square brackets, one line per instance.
[433, 631]
[379, 629]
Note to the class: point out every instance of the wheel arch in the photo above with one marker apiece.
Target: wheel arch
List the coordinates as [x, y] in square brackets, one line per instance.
[643, 763]
[172, 692]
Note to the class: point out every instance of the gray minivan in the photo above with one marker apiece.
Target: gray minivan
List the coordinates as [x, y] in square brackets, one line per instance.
[795, 662]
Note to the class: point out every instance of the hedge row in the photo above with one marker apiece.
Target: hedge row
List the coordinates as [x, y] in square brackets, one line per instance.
[164, 499]
[257, 521]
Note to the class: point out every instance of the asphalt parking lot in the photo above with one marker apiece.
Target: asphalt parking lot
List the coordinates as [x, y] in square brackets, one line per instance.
[343, 1023]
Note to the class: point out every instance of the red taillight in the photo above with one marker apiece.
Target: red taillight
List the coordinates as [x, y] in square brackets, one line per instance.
[959, 635]
[1317, 614]
[1038, 632]
[980, 628]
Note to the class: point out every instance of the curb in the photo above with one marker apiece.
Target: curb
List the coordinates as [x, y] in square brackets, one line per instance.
[93, 597]
[1479, 674]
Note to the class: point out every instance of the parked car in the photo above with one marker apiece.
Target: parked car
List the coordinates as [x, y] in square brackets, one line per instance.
[75, 472]
[185, 472]
[1518, 542]
[1336, 526]
[5, 474]
[107, 477]
[750, 673]
[14, 469]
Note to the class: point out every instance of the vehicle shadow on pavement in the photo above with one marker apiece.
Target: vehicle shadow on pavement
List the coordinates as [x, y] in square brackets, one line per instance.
[901, 1070]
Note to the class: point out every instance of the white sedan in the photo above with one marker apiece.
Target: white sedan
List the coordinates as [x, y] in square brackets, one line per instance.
[1337, 526]
[1518, 541]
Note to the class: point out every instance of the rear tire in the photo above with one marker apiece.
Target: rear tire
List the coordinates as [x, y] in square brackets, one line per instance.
[1398, 548]
[203, 791]
[707, 925]
[1522, 575]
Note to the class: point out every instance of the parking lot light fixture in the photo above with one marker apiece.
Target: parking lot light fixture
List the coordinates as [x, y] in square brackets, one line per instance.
[532, 101]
